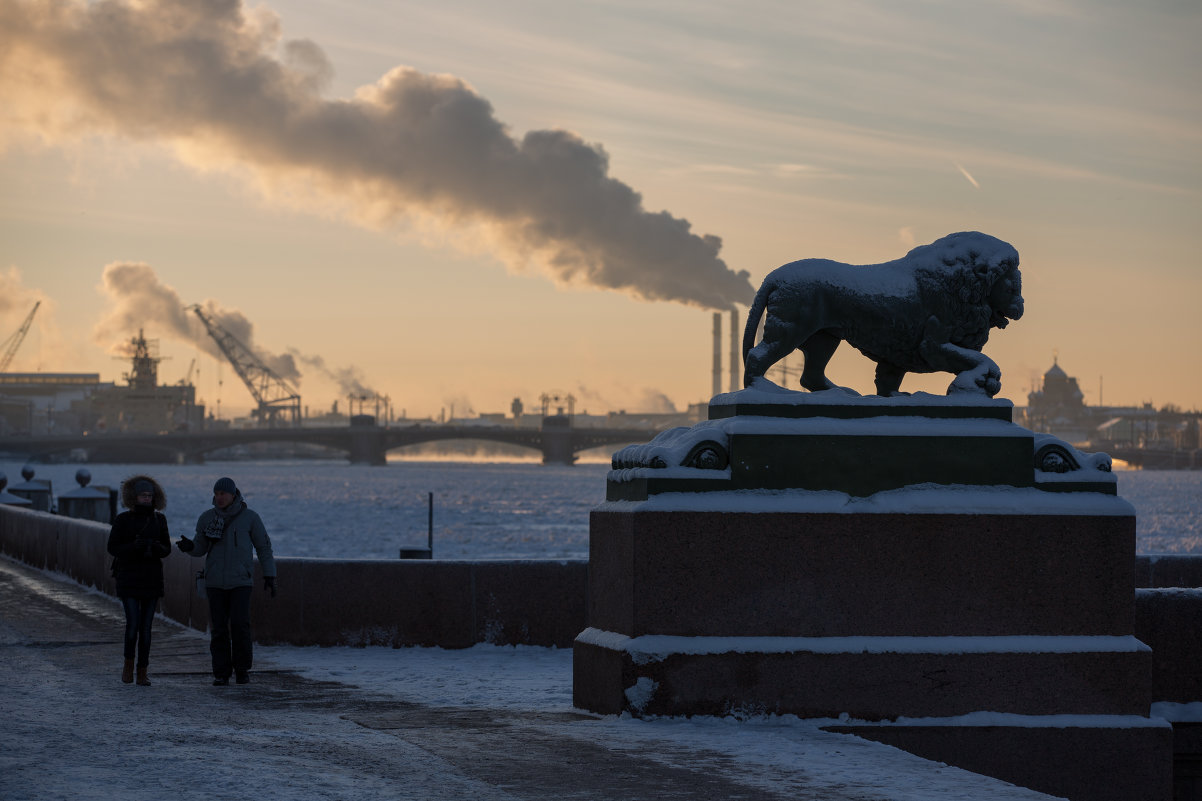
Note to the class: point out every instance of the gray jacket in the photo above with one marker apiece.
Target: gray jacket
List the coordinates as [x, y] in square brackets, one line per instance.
[229, 561]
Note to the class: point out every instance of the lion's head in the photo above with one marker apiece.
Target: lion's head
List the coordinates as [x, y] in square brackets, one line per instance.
[973, 273]
[1006, 296]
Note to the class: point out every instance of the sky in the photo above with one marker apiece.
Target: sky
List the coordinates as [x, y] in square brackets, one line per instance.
[463, 203]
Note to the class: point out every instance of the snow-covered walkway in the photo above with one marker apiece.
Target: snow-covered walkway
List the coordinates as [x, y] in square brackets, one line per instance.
[377, 723]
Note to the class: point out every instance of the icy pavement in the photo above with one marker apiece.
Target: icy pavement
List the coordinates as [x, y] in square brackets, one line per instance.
[486, 723]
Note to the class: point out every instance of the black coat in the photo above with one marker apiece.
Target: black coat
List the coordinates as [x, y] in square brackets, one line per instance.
[139, 541]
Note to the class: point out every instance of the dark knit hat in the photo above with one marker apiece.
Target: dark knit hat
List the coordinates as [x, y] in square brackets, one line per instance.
[142, 485]
[225, 484]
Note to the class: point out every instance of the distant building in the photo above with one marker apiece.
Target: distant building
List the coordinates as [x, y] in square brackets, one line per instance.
[45, 403]
[36, 404]
[1058, 407]
[143, 405]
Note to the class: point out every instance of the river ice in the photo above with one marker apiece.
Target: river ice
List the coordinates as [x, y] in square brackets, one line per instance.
[492, 510]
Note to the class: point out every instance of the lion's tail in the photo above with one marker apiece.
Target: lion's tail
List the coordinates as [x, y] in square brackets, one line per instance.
[754, 313]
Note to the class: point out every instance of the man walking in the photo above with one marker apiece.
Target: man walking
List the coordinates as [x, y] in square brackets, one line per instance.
[228, 536]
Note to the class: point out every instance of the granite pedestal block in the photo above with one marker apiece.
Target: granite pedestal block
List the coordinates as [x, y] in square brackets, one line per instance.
[904, 565]
[702, 573]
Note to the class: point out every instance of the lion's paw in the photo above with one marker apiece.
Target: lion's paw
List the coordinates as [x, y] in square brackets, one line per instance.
[985, 379]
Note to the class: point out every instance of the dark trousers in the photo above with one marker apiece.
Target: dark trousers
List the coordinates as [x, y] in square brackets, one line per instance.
[229, 630]
[139, 615]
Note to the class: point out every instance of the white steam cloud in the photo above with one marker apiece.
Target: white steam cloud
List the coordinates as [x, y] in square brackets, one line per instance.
[15, 298]
[44, 342]
[641, 400]
[350, 380]
[139, 300]
[214, 79]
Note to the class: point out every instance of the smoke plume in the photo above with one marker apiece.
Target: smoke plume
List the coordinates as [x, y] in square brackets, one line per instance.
[215, 80]
[350, 380]
[642, 400]
[139, 300]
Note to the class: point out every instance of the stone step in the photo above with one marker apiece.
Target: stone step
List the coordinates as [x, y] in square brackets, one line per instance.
[1078, 757]
[868, 678]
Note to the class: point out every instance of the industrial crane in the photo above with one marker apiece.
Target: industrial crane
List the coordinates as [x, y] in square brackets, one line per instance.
[275, 396]
[12, 343]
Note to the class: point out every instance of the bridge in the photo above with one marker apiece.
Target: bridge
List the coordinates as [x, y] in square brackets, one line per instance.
[366, 444]
[1155, 458]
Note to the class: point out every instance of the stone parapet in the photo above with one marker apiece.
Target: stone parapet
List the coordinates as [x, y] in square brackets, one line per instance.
[451, 604]
[1169, 620]
[1168, 570]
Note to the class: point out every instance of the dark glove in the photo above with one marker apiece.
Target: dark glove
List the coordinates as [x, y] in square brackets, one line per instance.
[186, 545]
[269, 584]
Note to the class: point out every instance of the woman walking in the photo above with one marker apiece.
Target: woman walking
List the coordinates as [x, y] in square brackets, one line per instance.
[139, 541]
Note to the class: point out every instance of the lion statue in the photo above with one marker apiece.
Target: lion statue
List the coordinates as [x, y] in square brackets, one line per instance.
[926, 312]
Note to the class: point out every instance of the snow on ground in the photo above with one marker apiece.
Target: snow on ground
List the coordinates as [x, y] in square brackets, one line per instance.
[774, 753]
[72, 730]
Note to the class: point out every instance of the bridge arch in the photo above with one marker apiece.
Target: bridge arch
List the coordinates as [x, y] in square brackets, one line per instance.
[361, 444]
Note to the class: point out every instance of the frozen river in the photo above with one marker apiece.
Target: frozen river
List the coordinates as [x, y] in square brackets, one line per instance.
[490, 510]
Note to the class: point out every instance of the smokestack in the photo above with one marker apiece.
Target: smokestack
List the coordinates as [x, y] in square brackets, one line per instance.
[717, 353]
[734, 350]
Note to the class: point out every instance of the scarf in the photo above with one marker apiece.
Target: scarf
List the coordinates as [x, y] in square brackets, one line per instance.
[215, 530]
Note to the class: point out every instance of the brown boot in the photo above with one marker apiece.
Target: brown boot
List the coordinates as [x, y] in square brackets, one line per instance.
[127, 672]
[143, 679]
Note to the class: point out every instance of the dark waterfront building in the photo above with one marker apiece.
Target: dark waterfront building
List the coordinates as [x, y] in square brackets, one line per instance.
[1058, 407]
[45, 403]
[74, 403]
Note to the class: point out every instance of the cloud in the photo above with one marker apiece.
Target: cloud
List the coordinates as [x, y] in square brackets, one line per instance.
[138, 300]
[213, 79]
[43, 343]
[15, 298]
